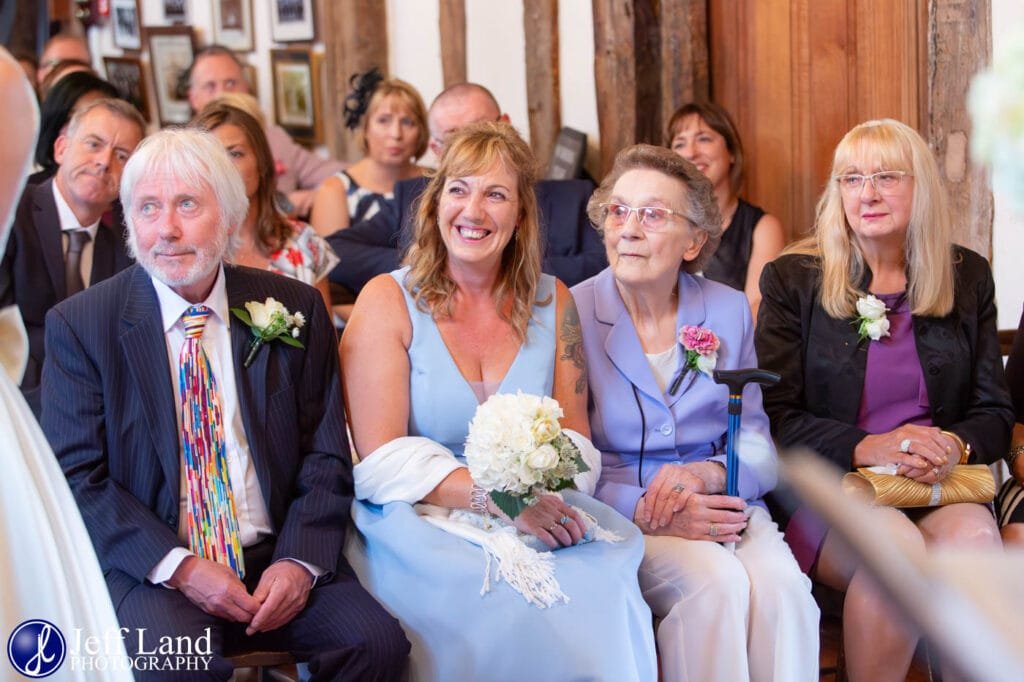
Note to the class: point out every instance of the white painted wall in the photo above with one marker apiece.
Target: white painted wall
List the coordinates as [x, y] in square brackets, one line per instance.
[1008, 230]
[576, 73]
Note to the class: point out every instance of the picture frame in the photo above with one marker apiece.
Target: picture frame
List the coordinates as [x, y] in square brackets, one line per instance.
[292, 21]
[251, 79]
[297, 93]
[126, 22]
[125, 74]
[175, 11]
[171, 50]
[232, 24]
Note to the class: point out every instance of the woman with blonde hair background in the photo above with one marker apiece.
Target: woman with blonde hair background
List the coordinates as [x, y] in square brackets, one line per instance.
[392, 122]
[471, 316]
[884, 333]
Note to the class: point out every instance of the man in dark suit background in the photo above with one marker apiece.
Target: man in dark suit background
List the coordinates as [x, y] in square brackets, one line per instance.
[60, 242]
[573, 250]
[127, 431]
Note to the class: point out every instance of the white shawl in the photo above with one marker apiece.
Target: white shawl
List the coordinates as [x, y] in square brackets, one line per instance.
[406, 469]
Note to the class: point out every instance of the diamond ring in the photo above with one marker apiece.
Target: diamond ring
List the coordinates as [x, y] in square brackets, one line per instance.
[678, 488]
[905, 445]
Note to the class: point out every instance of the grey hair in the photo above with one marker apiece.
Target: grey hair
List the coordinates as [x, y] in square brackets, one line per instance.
[698, 195]
[117, 107]
[199, 160]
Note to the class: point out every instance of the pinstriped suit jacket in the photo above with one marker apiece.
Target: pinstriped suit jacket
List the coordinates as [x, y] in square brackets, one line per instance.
[109, 414]
[32, 271]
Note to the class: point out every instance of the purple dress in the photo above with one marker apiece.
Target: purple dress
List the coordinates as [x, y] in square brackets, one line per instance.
[894, 394]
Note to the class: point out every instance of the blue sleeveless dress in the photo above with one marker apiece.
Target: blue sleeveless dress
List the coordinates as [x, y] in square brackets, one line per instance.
[430, 580]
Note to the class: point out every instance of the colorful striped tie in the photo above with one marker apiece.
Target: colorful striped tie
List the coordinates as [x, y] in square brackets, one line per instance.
[212, 523]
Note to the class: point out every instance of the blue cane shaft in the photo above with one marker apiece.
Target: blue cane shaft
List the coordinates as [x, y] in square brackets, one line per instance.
[731, 458]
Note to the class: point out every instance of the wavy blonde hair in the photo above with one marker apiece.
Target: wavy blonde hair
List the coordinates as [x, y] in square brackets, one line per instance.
[476, 149]
[890, 145]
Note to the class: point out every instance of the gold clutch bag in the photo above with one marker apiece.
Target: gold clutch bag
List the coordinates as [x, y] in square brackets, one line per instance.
[879, 486]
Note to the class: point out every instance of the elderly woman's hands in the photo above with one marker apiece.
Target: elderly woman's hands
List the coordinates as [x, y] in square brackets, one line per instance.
[922, 453]
[552, 520]
[674, 484]
[718, 518]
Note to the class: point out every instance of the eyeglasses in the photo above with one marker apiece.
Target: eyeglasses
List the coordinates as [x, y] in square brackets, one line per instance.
[884, 182]
[651, 218]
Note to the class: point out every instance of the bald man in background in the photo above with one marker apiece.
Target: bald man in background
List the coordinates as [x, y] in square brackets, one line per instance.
[61, 47]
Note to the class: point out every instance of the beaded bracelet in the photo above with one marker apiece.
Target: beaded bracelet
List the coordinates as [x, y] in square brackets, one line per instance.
[478, 499]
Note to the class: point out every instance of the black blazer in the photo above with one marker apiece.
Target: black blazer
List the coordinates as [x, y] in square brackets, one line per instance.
[822, 362]
[108, 411]
[572, 249]
[32, 270]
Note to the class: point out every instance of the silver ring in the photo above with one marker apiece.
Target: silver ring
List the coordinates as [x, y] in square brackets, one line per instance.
[564, 520]
[678, 488]
[905, 445]
[552, 527]
[935, 471]
[713, 530]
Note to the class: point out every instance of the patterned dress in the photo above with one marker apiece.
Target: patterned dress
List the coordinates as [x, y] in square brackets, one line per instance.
[305, 256]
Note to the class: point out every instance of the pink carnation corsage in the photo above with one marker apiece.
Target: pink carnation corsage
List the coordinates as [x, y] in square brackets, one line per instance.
[701, 347]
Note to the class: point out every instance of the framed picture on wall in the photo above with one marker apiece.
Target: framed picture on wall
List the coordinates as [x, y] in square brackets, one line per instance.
[249, 72]
[127, 23]
[291, 20]
[125, 74]
[232, 24]
[175, 11]
[171, 49]
[296, 93]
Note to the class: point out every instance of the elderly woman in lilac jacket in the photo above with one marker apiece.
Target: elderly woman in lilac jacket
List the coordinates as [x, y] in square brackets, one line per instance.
[652, 331]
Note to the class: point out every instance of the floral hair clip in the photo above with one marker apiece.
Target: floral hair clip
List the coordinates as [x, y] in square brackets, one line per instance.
[358, 100]
[701, 346]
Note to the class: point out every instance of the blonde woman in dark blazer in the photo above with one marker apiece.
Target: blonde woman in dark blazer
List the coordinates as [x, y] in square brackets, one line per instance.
[923, 391]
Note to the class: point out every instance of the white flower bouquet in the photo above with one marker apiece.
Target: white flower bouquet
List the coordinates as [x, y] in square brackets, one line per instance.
[516, 450]
[997, 114]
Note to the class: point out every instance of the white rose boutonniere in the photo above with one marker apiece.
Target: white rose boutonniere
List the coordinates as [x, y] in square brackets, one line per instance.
[269, 321]
[871, 320]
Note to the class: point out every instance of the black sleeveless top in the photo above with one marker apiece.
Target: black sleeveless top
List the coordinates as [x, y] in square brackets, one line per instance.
[729, 263]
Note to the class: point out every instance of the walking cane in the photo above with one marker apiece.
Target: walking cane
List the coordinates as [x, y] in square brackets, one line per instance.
[736, 379]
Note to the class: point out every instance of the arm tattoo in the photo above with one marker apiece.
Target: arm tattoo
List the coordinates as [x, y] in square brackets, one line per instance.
[572, 338]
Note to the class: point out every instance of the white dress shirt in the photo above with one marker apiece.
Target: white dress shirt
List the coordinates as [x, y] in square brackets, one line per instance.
[250, 507]
[69, 222]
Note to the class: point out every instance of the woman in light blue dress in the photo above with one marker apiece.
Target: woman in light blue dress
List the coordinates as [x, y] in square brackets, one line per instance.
[469, 317]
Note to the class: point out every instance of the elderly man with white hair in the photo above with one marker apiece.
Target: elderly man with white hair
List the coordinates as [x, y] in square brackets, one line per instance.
[196, 411]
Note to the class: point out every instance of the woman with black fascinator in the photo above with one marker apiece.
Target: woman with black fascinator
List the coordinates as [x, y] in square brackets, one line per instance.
[392, 121]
